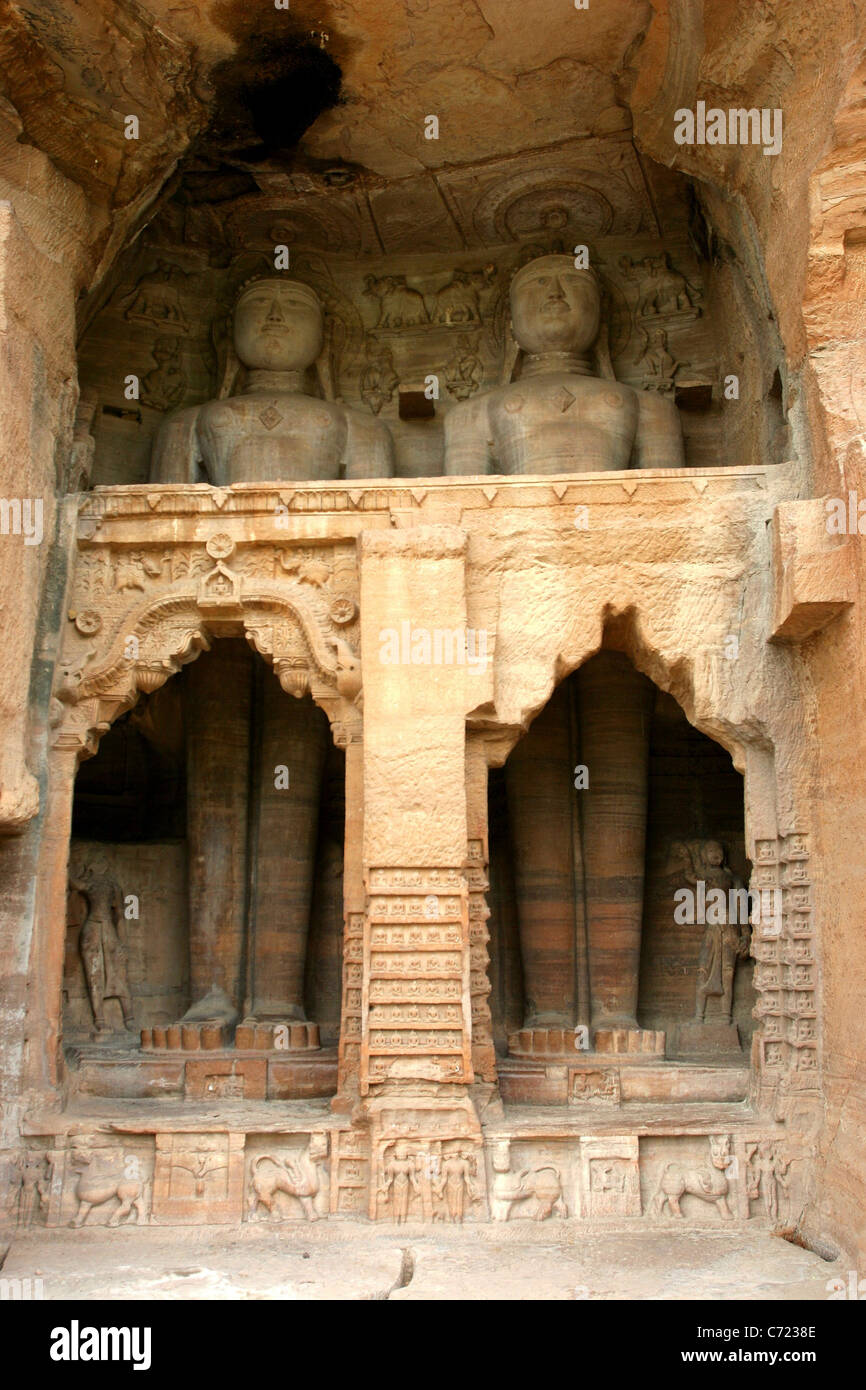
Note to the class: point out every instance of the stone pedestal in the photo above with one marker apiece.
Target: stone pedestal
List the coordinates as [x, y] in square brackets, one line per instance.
[709, 1039]
[630, 1042]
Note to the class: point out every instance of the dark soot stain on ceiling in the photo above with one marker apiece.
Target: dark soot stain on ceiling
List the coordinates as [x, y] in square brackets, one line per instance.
[270, 92]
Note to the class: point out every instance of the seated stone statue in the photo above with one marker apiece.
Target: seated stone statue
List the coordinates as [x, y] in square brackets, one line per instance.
[274, 430]
[560, 416]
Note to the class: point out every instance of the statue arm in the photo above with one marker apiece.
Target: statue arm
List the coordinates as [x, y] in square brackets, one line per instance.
[116, 905]
[176, 451]
[659, 439]
[115, 908]
[369, 451]
[467, 448]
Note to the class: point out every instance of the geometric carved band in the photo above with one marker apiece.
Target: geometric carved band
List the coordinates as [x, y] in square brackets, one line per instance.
[416, 1013]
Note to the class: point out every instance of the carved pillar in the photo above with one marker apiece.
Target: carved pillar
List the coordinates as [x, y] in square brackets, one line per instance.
[293, 736]
[323, 988]
[349, 735]
[539, 781]
[41, 1041]
[477, 862]
[416, 1060]
[506, 972]
[217, 718]
[615, 703]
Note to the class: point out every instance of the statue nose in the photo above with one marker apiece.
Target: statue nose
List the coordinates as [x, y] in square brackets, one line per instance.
[275, 314]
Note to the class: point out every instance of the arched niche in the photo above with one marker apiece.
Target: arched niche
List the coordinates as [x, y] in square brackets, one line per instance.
[542, 805]
[217, 796]
[132, 644]
[721, 710]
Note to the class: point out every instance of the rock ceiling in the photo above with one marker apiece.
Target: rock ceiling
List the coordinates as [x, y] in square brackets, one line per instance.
[238, 99]
[575, 191]
[253, 98]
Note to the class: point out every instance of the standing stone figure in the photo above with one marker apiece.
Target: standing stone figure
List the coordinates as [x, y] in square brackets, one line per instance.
[103, 953]
[766, 1172]
[659, 367]
[725, 941]
[33, 1190]
[463, 373]
[561, 416]
[400, 1181]
[164, 387]
[272, 430]
[456, 1183]
[378, 380]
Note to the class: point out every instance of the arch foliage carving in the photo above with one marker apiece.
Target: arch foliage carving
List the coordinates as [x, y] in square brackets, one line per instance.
[138, 615]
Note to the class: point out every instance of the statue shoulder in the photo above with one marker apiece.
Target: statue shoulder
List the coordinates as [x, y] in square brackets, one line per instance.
[659, 442]
[175, 454]
[215, 414]
[369, 451]
[467, 434]
[472, 412]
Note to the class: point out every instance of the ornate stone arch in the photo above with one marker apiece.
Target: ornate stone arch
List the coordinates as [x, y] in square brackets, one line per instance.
[142, 633]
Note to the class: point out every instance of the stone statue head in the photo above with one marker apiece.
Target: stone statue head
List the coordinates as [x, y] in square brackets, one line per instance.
[554, 306]
[278, 325]
[87, 865]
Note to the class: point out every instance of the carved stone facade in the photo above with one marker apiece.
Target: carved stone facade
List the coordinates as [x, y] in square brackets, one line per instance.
[418, 1132]
[425, 757]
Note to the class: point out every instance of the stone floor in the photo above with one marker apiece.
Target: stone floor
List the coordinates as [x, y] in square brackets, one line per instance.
[293, 1261]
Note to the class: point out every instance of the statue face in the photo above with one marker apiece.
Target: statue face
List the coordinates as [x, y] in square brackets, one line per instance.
[554, 307]
[278, 326]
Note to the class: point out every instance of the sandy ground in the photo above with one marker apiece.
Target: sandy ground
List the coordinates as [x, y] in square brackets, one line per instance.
[290, 1260]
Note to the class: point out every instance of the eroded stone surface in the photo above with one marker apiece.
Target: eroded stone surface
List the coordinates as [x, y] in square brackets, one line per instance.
[415, 1267]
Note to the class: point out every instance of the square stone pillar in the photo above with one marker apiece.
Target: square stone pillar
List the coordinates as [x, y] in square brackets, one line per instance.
[419, 663]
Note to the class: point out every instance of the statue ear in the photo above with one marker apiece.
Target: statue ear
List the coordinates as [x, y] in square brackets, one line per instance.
[601, 346]
[231, 364]
[323, 367]
[512, 352]
[601, 355]
[334, 340]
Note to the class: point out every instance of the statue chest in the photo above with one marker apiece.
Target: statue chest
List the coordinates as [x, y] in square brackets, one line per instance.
[272, 438]
[563, 424]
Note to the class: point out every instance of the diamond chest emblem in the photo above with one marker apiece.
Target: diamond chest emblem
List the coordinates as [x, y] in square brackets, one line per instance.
[270, 417]
[563, 399]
